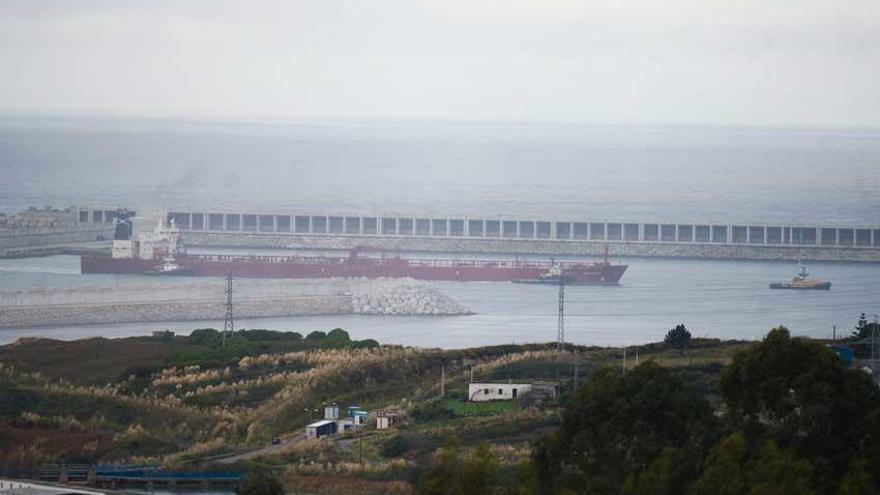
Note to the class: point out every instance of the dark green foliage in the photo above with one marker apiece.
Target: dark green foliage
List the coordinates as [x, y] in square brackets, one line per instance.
[204, 346]
[14, 402]
[656, 479]
[864, 329]
[619, 423]
[478, 473]
[395, 446]
[204, 336]
[779, 472]
[259, 481]
[338, 334]
[536, 370]
[678, 338]
[433, 410]
[858, 480]
[365, 344]
[800, 394]
[725, 471]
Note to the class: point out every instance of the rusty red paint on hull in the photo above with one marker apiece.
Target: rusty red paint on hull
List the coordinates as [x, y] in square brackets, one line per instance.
[305, 267]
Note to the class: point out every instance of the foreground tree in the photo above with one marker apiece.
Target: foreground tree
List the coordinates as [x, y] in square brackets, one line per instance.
[616, 427]
[452, 474]
[779, 472]
[725, 472]
[800, 394]
[858, 481]
[678, 338]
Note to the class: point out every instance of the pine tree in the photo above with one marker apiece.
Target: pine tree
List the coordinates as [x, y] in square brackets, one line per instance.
[678, 338]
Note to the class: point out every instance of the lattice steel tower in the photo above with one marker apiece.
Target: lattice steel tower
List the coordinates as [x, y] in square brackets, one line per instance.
[229, 324]
[560, 323]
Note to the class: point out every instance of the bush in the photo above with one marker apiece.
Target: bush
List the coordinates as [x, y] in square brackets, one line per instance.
[260, 482]
[395, 446]
[431, 411]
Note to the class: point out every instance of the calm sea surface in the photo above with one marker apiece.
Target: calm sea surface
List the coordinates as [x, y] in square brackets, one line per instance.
[685, 174]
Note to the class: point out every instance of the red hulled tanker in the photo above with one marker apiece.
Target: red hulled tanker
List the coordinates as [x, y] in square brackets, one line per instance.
[159, 254]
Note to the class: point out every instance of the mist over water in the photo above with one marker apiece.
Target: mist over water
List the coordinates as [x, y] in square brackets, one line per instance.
[566, 171]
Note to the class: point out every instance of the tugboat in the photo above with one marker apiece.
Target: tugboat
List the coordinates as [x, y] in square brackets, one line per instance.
[170, 266]
[553, 277]
[802, 282]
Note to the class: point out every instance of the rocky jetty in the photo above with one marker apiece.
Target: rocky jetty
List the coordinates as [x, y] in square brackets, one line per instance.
[403, 297]
[206, 301]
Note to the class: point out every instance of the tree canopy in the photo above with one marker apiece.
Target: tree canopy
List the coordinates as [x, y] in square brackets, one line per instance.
[678, 338]
[619, 423]
[789, 418]
[800, 394]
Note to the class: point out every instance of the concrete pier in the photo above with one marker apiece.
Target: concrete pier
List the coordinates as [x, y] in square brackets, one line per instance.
[533, 236]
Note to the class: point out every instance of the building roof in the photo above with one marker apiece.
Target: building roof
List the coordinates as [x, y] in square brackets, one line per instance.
[318, 424]
[533, 382]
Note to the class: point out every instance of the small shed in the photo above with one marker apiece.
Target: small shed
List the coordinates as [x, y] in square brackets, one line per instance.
[385, 421]
[359, 417]
[321, 428]
[331, 411]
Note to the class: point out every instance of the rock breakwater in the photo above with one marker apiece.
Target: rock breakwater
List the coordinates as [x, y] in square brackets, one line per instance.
[254, 298]
[403, 297]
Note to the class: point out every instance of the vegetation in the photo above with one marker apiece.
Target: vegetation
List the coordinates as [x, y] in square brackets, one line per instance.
[678, 338]
[477, 473]
[784, 415]
[795, 420]
[260, 482]
[864, 329]
[619, 422]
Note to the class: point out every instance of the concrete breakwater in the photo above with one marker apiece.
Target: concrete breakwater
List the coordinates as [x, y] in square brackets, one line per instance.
[253, 298]
[536, 247]
[16, 243]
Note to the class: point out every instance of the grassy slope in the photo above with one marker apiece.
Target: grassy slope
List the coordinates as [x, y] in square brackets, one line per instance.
[413, 380]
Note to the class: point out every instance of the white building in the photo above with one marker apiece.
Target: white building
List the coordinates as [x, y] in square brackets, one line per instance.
[384, 421]
[487, 391]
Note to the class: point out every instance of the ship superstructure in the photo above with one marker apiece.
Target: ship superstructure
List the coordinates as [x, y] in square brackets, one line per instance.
[802, 281]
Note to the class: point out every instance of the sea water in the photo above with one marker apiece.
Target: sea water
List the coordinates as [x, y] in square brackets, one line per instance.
[548, 171]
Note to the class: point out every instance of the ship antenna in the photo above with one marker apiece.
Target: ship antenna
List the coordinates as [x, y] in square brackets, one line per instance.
[229, 324]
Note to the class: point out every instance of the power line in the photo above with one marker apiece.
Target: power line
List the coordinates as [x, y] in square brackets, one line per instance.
[229, 324]
[560, 323]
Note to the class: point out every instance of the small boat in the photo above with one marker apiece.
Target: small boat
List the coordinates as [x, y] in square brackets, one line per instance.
[553, 277]
[170, 266]
[801, 281]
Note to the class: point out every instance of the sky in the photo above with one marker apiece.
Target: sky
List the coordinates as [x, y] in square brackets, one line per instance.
[722, 62]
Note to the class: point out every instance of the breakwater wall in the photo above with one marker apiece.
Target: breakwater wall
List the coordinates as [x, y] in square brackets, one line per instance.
[585, 248]
[578, 237]
[253, 298]
[18, 242]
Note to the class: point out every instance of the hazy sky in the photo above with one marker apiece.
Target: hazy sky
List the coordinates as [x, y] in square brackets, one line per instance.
[805, 62]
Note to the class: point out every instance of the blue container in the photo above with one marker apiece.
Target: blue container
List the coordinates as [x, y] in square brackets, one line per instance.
[845, 353]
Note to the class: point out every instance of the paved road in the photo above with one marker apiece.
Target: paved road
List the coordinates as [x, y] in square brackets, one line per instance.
[284, 446]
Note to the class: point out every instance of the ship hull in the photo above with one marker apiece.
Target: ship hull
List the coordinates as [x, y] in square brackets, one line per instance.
[293, 268]
[786, 286]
